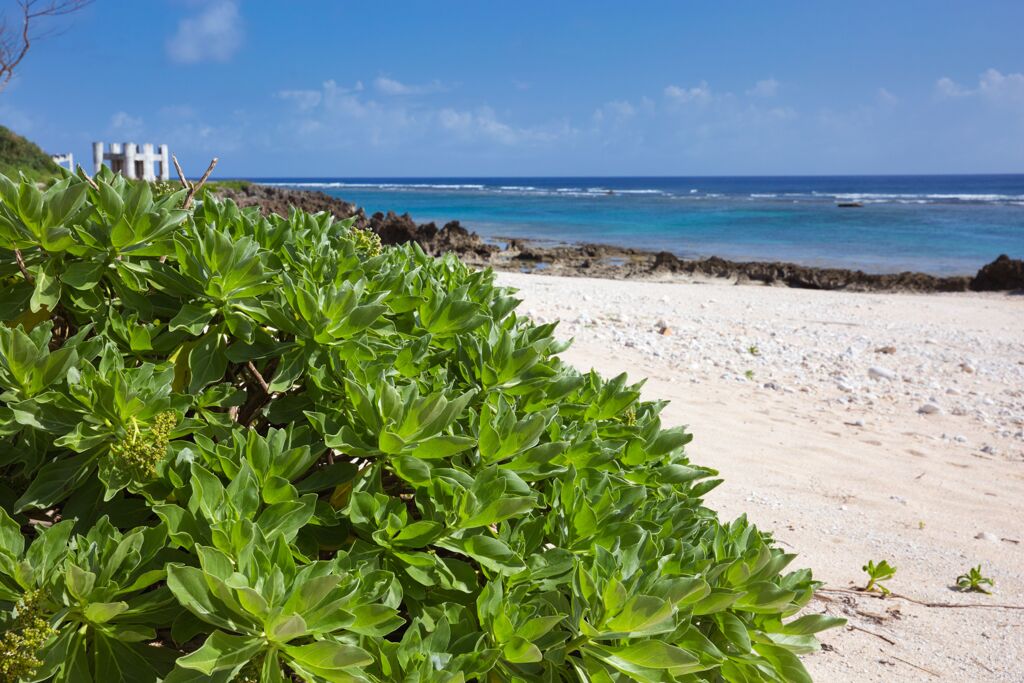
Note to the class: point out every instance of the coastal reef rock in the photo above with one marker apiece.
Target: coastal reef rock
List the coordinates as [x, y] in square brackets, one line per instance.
[805, 277]
[1002, 274]
[395, 229]
[390, 227]
[597, 260]
[279, 200]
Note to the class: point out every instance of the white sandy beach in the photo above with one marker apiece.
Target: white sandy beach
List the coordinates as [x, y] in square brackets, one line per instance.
[854, 427]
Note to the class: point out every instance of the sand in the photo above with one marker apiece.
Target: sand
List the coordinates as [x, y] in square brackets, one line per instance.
[854, 427]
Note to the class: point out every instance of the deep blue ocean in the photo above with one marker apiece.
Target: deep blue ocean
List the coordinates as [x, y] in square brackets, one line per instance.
[936, 224]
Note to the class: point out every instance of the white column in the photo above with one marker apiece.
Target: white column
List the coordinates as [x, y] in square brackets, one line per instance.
[71, 162]
[97, 156]
[165, 163]
[129, 160]
[147, 162]
[116, 157]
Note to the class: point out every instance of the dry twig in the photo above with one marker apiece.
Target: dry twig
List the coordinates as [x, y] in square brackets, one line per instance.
[21, 266]
[198, 186]
[258, 377]
[181, 174]
[15, 43]
[948, 605]
[871, 633]
[85, 176]
[919, 668]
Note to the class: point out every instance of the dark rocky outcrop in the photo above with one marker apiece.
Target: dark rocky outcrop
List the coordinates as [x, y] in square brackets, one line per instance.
[278, 200]
[394, 229]
[1004, 273]
[805, 277]
[390, 227]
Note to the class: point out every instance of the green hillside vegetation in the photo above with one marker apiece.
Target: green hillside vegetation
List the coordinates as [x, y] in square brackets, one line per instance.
[236, 447]
[18, 155]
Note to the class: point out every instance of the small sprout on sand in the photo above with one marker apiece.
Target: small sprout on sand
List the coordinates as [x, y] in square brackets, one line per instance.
[877, 573]
[753, 350]
[920, 524]
[975, 581]
[749, 374]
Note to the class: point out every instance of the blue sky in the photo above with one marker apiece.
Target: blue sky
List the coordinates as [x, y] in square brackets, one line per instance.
[333, 88]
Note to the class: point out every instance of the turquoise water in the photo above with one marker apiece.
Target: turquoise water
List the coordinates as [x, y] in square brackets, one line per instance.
[937, 224]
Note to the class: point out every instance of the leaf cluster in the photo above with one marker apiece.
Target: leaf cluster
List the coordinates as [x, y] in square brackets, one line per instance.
[877, 575]
[974, 581]
[236, 447]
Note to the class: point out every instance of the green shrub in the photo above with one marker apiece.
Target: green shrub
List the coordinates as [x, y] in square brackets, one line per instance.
[248, 448]
[19, 155]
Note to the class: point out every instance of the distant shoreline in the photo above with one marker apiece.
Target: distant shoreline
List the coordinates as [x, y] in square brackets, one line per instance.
[610, 261]
[943, 225]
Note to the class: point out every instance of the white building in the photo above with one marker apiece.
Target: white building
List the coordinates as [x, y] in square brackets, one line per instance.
[65, 160]
[134, 161]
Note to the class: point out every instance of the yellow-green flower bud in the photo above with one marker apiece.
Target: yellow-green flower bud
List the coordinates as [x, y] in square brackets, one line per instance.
[25, 637]
[139, 452]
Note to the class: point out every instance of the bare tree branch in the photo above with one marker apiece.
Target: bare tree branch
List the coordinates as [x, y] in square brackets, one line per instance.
[16, 41]
[181, 174]
[198, 186]
[85, 176]
[22, 268]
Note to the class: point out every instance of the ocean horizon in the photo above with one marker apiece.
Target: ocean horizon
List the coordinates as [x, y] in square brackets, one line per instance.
[938, 224]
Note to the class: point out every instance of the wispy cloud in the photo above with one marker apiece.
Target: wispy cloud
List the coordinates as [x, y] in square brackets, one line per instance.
[391, 113]
[886, 97]
[992, 84]
[125, 125]
[686, 125]
[616, 110]
[699, 94]
[768, 87]
[483, 123]
[947, 87]
[390, 86]
[213, 35]
[303, 99]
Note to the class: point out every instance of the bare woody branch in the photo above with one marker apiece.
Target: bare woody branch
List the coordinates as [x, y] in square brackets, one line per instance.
[193, 188]
[181, 174]
[198, 186]
[15, 40]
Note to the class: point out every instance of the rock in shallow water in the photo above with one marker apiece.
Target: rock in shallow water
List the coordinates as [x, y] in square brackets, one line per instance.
[1004, 273]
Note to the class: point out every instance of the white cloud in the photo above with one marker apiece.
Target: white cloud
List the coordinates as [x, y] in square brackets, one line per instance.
[482, 123]
[992, 84]
[215, 34]
[177, 111]
[303, 99]
[767, 87]
[998, 86]
[886, 97]
[382, 117]
[389, 86]
[947, 87]
[124, 124]
[701, 94]
[616, 110]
